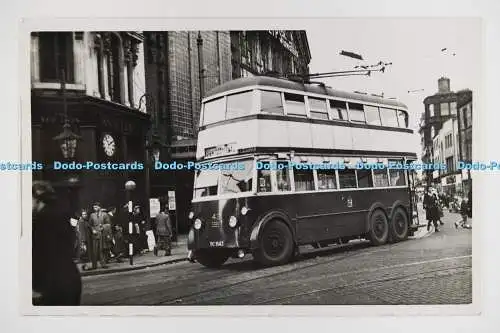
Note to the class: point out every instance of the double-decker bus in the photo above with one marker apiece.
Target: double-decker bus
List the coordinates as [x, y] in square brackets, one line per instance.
[278, 166]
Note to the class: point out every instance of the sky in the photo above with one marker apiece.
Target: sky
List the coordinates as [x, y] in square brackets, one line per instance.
[414, 48]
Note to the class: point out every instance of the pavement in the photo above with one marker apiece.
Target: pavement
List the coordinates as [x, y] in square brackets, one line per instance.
[430, 268]
[178, 254]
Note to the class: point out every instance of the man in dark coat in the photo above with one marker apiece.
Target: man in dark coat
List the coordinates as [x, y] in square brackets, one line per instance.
[56, 279]
[96, 225]
[434, 214]
[163, 232]
[141, 223]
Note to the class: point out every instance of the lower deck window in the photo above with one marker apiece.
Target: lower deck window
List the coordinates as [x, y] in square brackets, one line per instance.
[264, 179]
[283, 177]
[347, 178]
[397, 177]
[365, 178]
[304, 180]
[326, 180]
[380, 178]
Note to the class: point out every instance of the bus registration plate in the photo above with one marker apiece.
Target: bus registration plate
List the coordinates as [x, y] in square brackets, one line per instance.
[216, 244]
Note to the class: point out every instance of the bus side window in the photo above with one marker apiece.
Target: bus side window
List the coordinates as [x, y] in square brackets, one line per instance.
[339, 110]
[271, 102]
[326, 179]
[356, 113]
[397, 175]
[304, 180]
[380, 178]
[283, 177]
[365, 178]
[403, 119]
[347, 178]
[264, 178]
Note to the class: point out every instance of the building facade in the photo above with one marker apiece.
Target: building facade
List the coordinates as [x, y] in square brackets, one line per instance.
[181, 67]
[91, 83]
[441, 137]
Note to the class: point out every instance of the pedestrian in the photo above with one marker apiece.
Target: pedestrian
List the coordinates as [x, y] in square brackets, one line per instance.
[464, 212]
[107, 238]
[96, 221]
[427, 206]
[118, 248]
[142, 226]
[83, 223]
[433, 213]
[163, 232]
[56, 279]
[439, 203]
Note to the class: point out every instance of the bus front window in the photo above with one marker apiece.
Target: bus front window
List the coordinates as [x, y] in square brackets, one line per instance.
[206, 183]
[237, 180]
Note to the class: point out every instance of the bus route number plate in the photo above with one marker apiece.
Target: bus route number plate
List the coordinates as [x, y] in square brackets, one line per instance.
[216, 244]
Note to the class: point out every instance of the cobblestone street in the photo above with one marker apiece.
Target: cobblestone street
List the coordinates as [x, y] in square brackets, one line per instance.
[431, 268]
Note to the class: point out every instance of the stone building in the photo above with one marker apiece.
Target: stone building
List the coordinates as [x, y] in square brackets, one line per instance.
[441, 134]
[89, 84]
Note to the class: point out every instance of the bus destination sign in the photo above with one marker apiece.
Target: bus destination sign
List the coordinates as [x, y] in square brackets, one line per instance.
[221, 150]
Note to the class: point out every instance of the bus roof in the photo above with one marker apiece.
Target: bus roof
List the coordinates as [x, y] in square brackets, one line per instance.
[306, 87]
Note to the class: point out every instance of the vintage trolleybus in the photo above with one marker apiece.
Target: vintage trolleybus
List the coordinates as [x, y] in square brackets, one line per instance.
[278, 167]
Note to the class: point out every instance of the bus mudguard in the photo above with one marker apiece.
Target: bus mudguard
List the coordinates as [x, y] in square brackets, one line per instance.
[259, 226]
[376, 205]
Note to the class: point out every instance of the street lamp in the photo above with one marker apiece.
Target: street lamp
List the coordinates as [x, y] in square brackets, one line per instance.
[67, 139]
[129, 187]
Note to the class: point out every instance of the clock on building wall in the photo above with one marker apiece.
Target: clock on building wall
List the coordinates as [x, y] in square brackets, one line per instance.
[109, 145]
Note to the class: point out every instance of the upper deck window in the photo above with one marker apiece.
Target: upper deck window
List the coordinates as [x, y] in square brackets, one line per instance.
[389, 117]
[239, 105]
[403, 119]
[214, 111]
[356, 112]
[271, 102]
[372, 115]
[318, 108]
[339, 110]
[295, 105]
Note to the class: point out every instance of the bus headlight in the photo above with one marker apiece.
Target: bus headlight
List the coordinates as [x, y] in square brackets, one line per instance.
[244, 211]
[191, 215]
[197, 224]
[232, 221]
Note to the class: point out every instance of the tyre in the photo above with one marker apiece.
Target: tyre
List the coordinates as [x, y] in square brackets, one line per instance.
[211, 258]
[276, 244]
[398, 225]
[379, 228]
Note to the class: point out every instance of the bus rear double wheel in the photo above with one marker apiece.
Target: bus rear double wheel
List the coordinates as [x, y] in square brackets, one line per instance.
[211, 258]
[378, 233]
[276, 244]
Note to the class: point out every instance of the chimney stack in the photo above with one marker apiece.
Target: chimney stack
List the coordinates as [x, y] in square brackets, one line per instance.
[444, 85]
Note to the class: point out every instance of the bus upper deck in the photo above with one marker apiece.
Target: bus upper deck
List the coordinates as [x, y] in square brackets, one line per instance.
[270, 114]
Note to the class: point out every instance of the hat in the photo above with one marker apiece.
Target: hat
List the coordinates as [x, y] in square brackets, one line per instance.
[137, 206]
[43, 191]
[97, 203]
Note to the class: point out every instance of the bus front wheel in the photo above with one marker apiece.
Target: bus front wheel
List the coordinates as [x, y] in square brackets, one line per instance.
[276, 244]
[211, 258]
[399, 225]
[379, 228]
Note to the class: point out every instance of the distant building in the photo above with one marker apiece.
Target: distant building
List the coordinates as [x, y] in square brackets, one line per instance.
[104, 81]
[441, 134]
[181, 67]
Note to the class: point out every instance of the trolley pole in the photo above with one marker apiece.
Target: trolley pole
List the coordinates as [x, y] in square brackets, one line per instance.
[129, 187]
